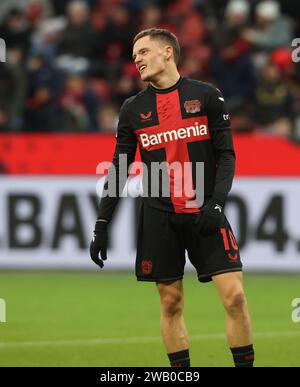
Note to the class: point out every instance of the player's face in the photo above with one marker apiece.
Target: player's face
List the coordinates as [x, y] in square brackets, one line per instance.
[150, 57]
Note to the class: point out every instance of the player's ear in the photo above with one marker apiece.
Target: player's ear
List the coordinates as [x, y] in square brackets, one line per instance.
[168, 52]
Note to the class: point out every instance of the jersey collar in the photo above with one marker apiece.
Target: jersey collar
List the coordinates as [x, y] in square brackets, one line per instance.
[163, 91]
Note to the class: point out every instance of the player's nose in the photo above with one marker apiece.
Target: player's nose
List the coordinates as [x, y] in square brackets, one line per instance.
[137, 59]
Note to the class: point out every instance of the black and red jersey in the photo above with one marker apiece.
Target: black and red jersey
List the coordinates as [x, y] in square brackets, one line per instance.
[187, 122]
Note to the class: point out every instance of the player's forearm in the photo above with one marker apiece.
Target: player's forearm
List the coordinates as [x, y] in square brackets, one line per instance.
[115, 180]
[107, 207]
[224, 175]
[225, 160]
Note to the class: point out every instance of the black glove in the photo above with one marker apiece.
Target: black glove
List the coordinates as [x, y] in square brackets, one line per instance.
[211, 217]
[99, 243]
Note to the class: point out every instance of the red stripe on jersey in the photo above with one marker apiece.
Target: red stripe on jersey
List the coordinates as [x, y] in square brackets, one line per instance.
[173, 133]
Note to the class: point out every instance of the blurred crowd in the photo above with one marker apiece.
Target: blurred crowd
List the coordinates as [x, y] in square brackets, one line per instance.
[69, 67]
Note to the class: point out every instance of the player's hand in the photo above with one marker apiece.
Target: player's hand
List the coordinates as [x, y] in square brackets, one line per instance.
[210, 218]
[99, 243]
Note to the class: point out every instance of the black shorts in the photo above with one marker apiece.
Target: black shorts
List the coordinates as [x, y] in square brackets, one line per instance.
[163, 238]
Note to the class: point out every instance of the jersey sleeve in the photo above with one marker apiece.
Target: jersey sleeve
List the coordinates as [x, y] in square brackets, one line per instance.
[124, 155]
[221, 137]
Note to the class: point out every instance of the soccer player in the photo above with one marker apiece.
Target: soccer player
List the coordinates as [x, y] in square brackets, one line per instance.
[176, 119]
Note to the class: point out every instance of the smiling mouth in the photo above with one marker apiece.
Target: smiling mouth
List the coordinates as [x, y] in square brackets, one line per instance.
[142, 68]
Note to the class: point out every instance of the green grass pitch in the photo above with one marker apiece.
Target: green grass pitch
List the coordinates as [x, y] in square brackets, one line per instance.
[110, 319]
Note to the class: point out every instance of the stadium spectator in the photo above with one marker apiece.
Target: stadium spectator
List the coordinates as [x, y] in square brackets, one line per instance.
[44, 38]
[79, 104]
[108, 118]
[13, 88]
[15, 29]
[192, 30]
[115, 43]
[43, 90]
[4, 122]
[15, 57]
[271, 30]
[123, 89]
[232, 65]
[273, 103]
[79, 41]
[150, 16]
[42, 73]
[41, 111]
[193, 67]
